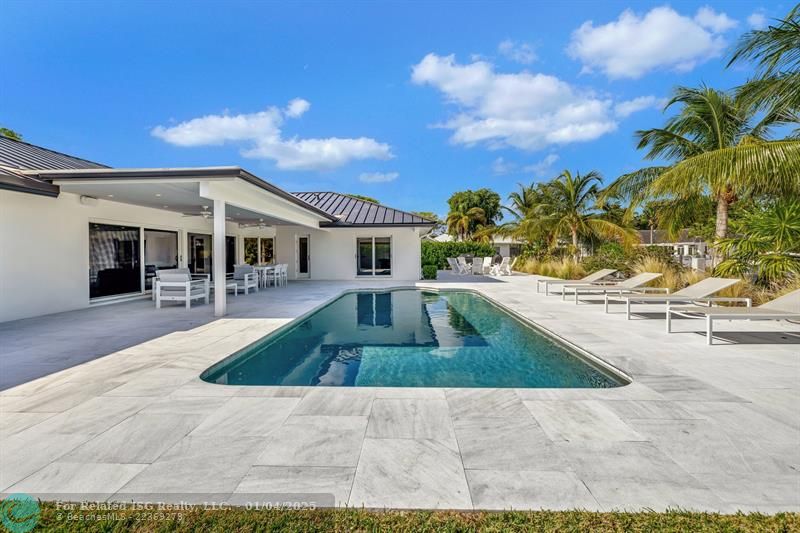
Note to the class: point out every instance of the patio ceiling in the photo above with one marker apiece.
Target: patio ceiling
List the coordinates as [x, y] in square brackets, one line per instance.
[191, 191]
[179, 197]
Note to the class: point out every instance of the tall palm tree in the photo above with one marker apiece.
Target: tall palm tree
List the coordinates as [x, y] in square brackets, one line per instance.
[460, 222]
[573, 210]
[715, 150]
[776, 53]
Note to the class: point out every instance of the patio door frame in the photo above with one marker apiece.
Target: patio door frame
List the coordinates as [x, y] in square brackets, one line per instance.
[297, 274]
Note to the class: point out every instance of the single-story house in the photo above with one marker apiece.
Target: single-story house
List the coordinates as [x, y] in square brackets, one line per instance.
[75, 233]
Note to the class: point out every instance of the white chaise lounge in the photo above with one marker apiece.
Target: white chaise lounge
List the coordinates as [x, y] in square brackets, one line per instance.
[786, 307]
[179, 287]
[591, 278]
[634, 284]
[701, 289]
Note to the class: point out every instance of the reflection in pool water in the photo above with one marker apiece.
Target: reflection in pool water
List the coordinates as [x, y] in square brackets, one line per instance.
[410, 338]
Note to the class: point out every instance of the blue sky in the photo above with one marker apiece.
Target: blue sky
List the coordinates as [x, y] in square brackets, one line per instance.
[407, 102]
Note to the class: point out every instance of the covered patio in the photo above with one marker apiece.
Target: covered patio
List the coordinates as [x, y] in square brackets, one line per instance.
[221, 205]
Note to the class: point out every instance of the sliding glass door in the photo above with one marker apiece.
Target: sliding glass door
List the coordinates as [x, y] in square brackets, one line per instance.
[160, 252]
[374, 256]
[114, 260]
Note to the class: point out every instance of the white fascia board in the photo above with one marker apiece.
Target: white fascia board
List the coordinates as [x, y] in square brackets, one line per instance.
[247, 196]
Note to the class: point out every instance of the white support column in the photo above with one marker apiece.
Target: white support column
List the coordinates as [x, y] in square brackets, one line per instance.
[218, 259]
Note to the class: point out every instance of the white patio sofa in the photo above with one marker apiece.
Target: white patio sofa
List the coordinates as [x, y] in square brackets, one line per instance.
[179, 287]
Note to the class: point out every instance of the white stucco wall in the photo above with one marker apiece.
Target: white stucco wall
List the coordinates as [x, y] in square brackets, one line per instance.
[333, 252]
[44, 248]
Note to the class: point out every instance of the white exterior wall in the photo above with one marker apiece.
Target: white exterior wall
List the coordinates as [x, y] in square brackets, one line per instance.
[44, 248]
[333, 252]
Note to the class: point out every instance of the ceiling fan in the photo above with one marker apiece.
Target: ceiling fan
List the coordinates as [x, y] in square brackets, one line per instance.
[205, 213]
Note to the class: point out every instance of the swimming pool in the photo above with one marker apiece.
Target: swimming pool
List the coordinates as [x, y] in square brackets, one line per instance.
[411, 338]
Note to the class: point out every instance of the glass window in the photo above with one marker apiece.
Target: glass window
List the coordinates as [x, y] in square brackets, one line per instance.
[114, 262]
[374, 256]
[251, 250]
[199, 253]
[267, 251]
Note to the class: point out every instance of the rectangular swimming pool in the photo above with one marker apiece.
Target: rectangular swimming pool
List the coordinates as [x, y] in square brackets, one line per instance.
[411, 338]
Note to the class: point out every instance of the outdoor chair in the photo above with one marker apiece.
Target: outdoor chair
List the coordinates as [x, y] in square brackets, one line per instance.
[463, 267]
[593, 278]
[245, 278]
[179, 287]
[634, 284]
[786, 307]
[690, 294]
[487, 265]
[503, 268]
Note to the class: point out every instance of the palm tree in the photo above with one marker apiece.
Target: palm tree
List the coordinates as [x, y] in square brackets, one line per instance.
[766, 244]
[714, 151]
[460, 222]
[573, 210]
[776, 52]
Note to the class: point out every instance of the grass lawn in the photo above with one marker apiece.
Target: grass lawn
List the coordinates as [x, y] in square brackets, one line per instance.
[238, 519]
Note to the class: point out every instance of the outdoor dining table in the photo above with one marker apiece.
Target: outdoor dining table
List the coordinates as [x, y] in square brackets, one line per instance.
[263, 273]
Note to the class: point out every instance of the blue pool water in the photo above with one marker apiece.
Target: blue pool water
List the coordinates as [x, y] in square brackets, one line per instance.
[410, 338]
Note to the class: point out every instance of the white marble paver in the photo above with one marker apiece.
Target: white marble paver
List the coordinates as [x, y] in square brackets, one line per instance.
[120, 412]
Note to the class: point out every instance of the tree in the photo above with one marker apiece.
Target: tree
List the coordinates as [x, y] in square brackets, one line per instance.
[11, 134]
[715, 152]
[573, 210]
[776, 51]
[766, 244]
[362, 197]
[461, 223]
[527, 216]
[487, 201]
[439, 228]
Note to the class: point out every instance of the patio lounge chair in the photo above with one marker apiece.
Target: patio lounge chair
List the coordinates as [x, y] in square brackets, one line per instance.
[636, 282]
[503, 268]
[786, 307]
[463, 267]
[179, 287]
[592, 278]
[487, 265]
[245, 278]
[477, 266]
[701, 289]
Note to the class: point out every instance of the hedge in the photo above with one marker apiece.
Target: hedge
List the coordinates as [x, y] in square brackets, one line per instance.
[436, 253]
[429, 271]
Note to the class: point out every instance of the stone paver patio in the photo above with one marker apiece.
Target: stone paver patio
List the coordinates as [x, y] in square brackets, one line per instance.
[126, 416]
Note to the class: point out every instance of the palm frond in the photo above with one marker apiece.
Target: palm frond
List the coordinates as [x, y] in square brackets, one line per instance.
[750, 168]
[774, 49]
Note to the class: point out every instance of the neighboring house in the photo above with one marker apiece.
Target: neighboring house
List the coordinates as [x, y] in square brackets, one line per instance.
[690, 251]
[504, 246]
[75, 233]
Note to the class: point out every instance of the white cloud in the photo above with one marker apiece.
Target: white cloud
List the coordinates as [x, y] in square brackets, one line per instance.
[523, 110]
[262, 133]
[500, 166]
[716, 22]
[519, 52]
[378, 177]
[634, 45]
[629, 107]
[757, 20]
[297, 107]
[542, 167]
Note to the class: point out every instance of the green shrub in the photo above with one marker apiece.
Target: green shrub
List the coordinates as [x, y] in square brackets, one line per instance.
[436, 253]
[429, 271]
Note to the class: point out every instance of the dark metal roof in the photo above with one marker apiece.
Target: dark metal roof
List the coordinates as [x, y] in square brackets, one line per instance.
[23, 156]
[351, 211]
